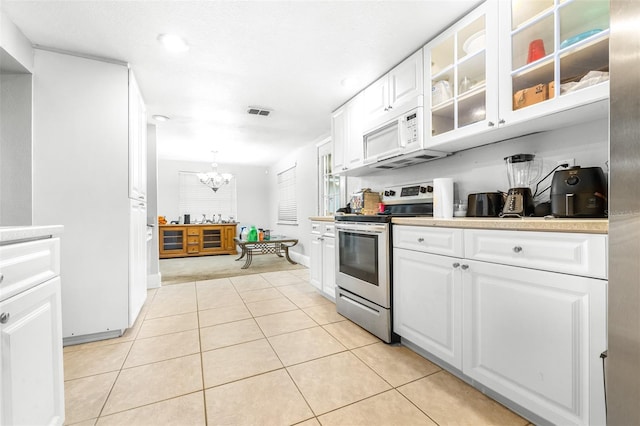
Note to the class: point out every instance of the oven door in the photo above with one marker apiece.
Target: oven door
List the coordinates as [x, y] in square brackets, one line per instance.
[363, 261]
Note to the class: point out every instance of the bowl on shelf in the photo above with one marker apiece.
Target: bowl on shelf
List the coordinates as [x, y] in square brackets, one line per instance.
[474, 43]
[579, 37]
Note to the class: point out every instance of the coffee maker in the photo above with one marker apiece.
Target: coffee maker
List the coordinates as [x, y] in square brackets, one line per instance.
[522, 171]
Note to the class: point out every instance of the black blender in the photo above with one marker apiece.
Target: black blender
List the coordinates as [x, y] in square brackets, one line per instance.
[522, 171]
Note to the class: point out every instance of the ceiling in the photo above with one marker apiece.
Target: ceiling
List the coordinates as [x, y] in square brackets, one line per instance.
[288, 56]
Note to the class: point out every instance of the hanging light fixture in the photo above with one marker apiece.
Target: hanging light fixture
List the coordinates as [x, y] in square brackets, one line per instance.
[213, 179]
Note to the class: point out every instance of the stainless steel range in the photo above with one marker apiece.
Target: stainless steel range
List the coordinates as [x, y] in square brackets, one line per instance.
[363, 258]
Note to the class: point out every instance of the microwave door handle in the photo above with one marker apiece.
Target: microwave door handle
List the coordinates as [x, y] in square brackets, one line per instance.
[402, 132]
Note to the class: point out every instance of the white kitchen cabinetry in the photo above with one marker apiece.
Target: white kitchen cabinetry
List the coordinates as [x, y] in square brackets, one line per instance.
[31, 373]
[399, 91]
[463, 77]
[493, 81]
[137, 142]
[522, 313]
[323, 258]
[536, 337]
[82, 153]
[427, 292]
[575, 39]
[346, 131]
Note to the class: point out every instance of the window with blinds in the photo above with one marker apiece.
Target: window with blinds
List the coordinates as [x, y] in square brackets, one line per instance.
[197, 199]
[287, 206]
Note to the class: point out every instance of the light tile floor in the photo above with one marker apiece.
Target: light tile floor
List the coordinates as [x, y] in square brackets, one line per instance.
[261, 349]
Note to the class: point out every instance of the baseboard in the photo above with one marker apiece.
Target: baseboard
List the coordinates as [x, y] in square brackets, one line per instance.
[300, 258]
[154, 281]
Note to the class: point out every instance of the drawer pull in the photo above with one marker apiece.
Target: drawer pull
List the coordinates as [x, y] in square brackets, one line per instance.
[420, 240]
[465, 267]
[1, 278]
[4, 317]
[517, 249]
[455, 265]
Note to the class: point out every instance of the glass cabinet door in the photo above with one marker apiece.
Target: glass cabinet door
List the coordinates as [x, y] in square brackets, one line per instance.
[461, 72]
[558, 47]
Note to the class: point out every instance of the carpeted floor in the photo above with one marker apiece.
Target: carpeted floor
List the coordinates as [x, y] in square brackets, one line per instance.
[187, 269]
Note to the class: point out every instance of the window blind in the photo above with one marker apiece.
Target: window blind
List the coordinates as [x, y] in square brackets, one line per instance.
[197, 199]
[287, 206]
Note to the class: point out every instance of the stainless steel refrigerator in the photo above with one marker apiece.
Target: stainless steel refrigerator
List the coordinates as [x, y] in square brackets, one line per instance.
[623, 361]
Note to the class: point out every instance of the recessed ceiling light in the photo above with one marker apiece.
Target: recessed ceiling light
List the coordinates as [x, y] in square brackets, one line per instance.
[173, 43]
[159, 117]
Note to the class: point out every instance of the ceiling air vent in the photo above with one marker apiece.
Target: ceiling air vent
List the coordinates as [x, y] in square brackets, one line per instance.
[258, 111]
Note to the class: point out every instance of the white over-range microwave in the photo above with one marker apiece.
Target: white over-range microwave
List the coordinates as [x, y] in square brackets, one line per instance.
[398, 142]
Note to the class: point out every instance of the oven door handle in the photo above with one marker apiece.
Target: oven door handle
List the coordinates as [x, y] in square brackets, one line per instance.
[373, 229]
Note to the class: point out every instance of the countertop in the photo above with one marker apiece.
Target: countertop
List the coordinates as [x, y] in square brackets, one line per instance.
[587, 226]
[200, 224]
[10, 234]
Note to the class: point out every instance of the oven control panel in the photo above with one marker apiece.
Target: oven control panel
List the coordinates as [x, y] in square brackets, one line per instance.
[413, 193]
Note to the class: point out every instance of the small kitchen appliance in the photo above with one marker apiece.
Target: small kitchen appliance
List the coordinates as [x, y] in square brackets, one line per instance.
[522, 171]
[579, 192]
[485, 204]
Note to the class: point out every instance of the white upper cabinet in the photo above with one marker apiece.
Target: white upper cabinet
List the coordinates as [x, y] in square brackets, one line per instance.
[137, 142]
[462, 77]
[552, 44]
[399, 91]
[500, 66]
[346, 132]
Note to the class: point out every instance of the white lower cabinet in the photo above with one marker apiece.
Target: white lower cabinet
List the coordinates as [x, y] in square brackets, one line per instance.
[536, 337]
[31, 373]
[533, 336]
[323, 258]
[427, 300]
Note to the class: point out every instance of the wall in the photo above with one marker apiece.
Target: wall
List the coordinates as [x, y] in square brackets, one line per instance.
[251, 186]
[305, 159]
[15, 146]
[482, 169]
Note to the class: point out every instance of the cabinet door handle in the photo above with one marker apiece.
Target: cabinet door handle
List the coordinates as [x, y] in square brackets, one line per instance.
[420, 240]
[1, 278]
[4, 317]
[455, 265]
[517, 249]
[491, 124]
[386, 109]
[390, 107]
[501, 121]
[464, 267]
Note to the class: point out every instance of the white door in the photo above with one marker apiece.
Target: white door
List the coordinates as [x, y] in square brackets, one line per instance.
[427, 297]
[137, 142]
[405, 81]
[315, 258]
[31, 346]
[329, 266]
[137, 259]
[376, 99]
[339, 138]
[536, 338]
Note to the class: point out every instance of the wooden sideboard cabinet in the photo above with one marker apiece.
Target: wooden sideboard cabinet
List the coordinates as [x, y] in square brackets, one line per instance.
[197, 240]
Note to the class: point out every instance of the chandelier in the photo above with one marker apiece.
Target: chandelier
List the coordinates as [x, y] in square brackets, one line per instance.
[213, 179]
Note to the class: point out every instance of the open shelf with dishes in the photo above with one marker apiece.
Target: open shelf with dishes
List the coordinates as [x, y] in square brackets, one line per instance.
[557, 44]
[458, 75]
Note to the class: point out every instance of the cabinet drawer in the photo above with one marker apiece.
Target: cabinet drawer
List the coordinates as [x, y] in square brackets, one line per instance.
[445, 241]
[316, 228]
[329, 230]
[577, 254]
[193, 249]
[193, 231]
[193, 240]
[26, 265]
